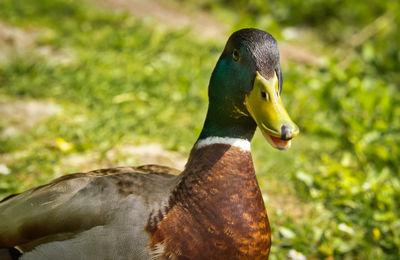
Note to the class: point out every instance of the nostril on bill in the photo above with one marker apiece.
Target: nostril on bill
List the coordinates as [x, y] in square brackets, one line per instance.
[286, 133]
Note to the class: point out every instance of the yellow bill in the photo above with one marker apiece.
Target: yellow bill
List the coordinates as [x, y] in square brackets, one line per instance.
[265, 106]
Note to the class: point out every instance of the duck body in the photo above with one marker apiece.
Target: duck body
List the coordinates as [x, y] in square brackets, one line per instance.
[213, 209]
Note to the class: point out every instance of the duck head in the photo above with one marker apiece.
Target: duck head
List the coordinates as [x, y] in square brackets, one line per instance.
[245, 91]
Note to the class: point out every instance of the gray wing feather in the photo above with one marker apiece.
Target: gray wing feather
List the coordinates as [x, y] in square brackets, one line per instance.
[77, 202]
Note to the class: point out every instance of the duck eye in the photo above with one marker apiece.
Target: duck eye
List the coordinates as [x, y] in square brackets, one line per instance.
[235, 55]
[264, 95]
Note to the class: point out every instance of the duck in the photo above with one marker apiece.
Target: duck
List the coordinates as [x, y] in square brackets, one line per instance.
[213, 209]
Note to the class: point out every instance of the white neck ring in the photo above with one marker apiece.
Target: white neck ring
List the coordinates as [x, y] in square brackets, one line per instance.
[243, 144]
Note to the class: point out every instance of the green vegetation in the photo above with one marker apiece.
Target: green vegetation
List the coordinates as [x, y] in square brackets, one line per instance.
[120, 80]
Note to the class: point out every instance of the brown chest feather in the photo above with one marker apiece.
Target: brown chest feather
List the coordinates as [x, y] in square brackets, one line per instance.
[216, 211]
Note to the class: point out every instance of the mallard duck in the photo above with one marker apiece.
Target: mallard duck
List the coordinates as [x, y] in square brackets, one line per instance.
[213, 209]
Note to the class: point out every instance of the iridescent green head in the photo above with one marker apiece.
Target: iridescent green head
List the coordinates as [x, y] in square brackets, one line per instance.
[245, 91]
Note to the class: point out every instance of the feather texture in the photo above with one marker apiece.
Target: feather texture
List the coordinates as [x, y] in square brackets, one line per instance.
[74, 212]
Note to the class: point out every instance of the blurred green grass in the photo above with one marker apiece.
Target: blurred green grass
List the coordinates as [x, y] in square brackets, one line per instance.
[120, 80]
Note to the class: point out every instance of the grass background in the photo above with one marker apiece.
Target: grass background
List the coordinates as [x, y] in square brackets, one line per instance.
[102, 77]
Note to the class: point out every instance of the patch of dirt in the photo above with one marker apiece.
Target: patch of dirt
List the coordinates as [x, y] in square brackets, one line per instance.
[121, 155]
[22, 115]
[20, 43]
[80, 162]
[152, 153]
[171, 15]
[14, 41]
[300, 54]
